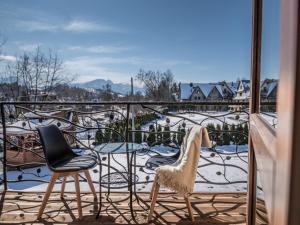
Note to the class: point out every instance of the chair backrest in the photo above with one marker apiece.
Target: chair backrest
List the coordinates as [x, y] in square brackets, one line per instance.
[190, 150]
[54, 144]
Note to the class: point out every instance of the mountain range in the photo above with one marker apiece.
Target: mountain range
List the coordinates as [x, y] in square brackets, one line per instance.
[116, 87]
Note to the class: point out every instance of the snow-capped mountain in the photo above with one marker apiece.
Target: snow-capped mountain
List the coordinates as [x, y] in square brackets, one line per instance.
[116, 87]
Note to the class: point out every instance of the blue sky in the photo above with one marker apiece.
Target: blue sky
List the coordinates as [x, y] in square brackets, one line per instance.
[198, 40]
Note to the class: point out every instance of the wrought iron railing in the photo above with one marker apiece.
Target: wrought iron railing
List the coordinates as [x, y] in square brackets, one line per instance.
[157, 127]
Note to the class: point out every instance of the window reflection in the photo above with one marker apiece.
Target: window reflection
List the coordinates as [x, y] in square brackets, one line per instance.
[270, 60]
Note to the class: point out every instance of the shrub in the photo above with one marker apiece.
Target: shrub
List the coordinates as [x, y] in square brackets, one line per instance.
[151, 137]
[99, 137]
[226, 134]
[138, 135]
[166, 135]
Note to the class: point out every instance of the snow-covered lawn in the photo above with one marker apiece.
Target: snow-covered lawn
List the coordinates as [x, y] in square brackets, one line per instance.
[224, 170]
[221, 170]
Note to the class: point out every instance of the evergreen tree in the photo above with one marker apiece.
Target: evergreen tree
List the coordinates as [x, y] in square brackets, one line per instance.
[246, 133]
[138, 135]
[159, 134]
[180, 135]
[166, 135]
[107, 134]
[99, 137]
[145, 137]
[239, 135]
[226, 134]
[151, 137]
[218, 131]
[114, 135]
[233, 133]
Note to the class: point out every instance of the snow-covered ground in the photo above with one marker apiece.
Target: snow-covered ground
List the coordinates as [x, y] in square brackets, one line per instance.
[222, 171]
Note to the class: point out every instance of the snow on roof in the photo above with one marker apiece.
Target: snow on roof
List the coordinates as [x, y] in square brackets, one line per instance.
[233, 86]
[185, 91]
[246, 84]
[205, 88]
[272, 85]
[220, 89]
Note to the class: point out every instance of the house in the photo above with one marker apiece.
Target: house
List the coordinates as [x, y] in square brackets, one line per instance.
[268, 93]
[243, 91]
[268, 90]
[206, 92]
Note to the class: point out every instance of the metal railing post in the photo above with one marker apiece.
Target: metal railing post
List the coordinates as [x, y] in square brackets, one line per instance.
[127, 122]
[4, 145]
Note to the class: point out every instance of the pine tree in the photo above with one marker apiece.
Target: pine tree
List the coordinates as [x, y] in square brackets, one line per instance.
[114, 135]
[99, 137]
[151, 137]
[239, 135]
[218, 135]
[159, 134]
[138, 135]
[180, 135]
[233, 133]
[166, 135]
[226, 134]
[246, 133]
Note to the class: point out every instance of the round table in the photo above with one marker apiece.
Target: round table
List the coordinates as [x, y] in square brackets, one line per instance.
[130, 150]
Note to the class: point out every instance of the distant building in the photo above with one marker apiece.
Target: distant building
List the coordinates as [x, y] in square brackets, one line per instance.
[243, 91]
[268, 93]
[202, 92]
[229, 91]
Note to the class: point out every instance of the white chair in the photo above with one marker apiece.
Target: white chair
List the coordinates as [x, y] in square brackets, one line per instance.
[180, 176]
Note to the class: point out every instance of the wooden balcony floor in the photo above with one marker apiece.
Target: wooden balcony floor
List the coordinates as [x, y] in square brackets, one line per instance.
[209, 208]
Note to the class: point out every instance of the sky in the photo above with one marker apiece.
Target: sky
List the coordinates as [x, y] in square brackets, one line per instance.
[198, 40]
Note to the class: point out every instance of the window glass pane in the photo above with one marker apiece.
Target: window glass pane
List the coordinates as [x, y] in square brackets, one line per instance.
[270, 60]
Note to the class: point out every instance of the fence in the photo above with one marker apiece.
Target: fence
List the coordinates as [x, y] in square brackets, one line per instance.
[156, 127]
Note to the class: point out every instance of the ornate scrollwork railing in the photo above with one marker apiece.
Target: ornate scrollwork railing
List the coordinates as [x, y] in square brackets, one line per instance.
[158, 128]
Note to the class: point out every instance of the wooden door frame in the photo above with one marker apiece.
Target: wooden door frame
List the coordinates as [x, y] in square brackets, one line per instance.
[254, 105]
[286, 209]
[280, 146]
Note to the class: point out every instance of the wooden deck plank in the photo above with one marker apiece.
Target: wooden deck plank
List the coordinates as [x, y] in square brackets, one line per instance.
[209, 208]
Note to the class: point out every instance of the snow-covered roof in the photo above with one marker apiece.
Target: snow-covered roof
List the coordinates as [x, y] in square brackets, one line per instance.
[205, 88]
[246, 84]
[272, 85]
[220, 89]
[186, 89]
[233, 86]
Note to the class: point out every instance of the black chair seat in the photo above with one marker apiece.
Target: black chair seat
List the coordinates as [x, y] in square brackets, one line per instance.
[76, 163]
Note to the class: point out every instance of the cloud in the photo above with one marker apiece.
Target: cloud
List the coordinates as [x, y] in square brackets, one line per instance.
[35, 25]
[29, 47]
[89, 67]
[100, 49]
[10, 58]
[87, 26]
[76, 26]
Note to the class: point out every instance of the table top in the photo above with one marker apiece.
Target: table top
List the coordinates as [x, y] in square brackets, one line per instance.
[119, 147]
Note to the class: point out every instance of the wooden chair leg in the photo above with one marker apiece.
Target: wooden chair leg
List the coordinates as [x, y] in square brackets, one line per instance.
[154, 198]
[153, 187]
[90, 182]
[47, 194]
[76, 180]
[63, 185]
[188, 205]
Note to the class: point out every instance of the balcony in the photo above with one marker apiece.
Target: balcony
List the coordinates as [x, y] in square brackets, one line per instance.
[219, 195]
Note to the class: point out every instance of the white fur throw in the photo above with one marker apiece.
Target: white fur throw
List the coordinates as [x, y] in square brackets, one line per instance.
[181, 175]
